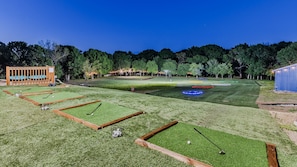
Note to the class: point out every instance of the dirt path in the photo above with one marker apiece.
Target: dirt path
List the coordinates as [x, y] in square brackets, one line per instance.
[2, 82]
[284, 117]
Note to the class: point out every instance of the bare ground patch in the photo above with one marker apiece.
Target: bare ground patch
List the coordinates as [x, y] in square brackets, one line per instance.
[284, 117]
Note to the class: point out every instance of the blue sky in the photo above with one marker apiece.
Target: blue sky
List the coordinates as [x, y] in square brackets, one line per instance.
[131, 25]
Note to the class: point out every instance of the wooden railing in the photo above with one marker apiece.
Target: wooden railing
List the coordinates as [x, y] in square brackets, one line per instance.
[30, 75]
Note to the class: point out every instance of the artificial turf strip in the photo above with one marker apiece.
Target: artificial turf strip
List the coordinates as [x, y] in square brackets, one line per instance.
[239, 151]
[173, 154]
[51, 98]
[105, 115]
[27, 90]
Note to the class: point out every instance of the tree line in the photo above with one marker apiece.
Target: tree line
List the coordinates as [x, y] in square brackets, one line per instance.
[242, 61]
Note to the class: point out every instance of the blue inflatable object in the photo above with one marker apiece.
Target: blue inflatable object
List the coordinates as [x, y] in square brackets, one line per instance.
[192, 92]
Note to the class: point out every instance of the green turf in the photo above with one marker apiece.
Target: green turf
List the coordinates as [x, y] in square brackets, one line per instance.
[239, 151]
[236, 94]
[105, 113]
[52, 97]
[239, 93]
[27, 89]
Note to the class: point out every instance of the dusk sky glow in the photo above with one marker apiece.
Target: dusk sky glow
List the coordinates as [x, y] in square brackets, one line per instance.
[135, 26]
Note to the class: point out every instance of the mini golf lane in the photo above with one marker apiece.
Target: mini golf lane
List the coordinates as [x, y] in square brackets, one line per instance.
[28, 91]
[51, 97]
[175, 144]
[97, 114]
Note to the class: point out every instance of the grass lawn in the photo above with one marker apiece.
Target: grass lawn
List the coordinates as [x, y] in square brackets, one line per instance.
[105, 113]
[52, 97]
[30, 137]
[239, 151]
[239, 93]
[236, 95]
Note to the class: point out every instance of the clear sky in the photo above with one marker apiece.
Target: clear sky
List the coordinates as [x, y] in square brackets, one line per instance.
[137, 25]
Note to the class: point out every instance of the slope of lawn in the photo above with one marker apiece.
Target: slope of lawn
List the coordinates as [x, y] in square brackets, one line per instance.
[105, 113]
[239, 151]
[30, 137]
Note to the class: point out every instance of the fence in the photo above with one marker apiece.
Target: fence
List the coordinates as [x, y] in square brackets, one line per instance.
[30, 75]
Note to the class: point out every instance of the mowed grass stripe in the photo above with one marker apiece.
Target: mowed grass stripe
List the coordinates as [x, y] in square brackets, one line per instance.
[105, 113]
[239, 151]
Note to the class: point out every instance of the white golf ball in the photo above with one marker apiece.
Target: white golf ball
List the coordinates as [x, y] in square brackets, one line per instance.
[189, 142]
[53, 96]
[92, 114]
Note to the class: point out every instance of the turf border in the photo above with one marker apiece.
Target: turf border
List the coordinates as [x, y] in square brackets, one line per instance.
[89, 124]
[142, 142]
[53, 102]
[270, 149]
[272, 155]
[7, 92]
[30, 93]
[38, 93]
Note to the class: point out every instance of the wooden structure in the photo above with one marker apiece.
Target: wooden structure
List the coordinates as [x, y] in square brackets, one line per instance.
[42, 76]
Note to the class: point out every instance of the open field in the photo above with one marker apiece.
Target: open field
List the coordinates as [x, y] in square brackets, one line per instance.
[30, 137]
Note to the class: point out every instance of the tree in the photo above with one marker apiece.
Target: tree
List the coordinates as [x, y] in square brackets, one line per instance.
[240, 54]
[212, 67]
[104, 62]
[288, 55]
[183, 69]
[37, 57]
[72, 63]
[181, 57]
[224, 68]
[159, 61]
[197, 59]
[88, 69]
[151, 67]
[259, 58]
[213, 52]
[122, 60]
[166, 54]
[146, 55]
[54, 51]
[19, 53]
[139, 65]
[169, 67]
[196, 69]
[5, 59]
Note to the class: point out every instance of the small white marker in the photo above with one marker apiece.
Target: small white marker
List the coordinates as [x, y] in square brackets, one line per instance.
[189, 142]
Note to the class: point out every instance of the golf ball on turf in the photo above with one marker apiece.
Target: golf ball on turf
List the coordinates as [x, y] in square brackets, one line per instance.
[189, 142]
[92, 114]
[53, 96]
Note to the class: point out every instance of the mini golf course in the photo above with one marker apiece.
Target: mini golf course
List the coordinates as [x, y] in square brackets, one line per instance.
[206, 148]
[51, 98]
[97, 114]
[191, 144]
